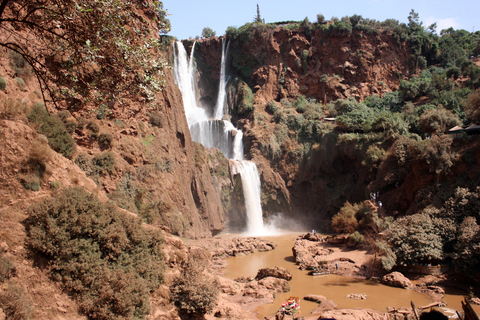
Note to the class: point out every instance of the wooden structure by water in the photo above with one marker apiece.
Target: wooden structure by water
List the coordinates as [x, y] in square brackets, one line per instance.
[470, 314]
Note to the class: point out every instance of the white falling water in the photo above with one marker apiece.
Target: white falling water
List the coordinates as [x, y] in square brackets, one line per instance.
[251, 192]
[223, 83]
[184, 78]
[220, 134]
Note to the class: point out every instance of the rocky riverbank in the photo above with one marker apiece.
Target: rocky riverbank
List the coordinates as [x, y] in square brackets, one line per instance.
[240, 297]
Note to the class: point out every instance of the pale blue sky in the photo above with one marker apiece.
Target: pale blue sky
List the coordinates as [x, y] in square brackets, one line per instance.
[189, 17]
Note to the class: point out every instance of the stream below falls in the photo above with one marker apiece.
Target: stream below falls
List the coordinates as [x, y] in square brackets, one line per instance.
[334, 287]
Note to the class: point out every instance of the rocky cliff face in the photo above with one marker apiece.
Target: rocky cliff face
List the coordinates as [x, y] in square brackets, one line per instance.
[277, 63]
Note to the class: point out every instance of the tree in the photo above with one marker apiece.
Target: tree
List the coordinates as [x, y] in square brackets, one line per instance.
[87, 51]
[344, 221]
[467, 257]
[416, 239]
[193, 292]
[472, 107]
[258, 18]
[208, 32]
[438, 120]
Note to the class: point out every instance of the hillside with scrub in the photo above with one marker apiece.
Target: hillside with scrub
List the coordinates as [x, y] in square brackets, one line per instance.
[101, 184]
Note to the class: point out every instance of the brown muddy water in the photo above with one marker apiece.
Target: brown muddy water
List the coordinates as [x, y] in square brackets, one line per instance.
[333, 287]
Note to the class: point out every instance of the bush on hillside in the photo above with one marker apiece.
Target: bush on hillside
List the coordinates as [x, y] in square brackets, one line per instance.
[344, 221]
[54, 129]
[193, 292]
[7, 267]
[417, 239]
[15, 302]
[472, 107]
[104, 162]
[438, 120]
[3, 83]
[156, 119]
[244, 99]
[356, 238]
[104, 258]
[105, 140]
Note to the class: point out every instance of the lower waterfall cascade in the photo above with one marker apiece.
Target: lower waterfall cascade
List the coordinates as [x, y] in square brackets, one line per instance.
[219, 133]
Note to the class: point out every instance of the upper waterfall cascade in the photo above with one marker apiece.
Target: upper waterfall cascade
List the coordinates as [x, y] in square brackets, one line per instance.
[219, 133]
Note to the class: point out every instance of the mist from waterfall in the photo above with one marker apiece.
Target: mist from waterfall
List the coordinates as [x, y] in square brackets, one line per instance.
[219, 133]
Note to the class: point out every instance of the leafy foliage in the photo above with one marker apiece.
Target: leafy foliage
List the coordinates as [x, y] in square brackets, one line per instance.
[54, 129]
[416, 239]
[98, 41]
[7, 267]
[103, 257]
[473, 105]
[15, 302]
[192, 291]
[208, 32]
[244, 99]
[345, 221]
[438, 120]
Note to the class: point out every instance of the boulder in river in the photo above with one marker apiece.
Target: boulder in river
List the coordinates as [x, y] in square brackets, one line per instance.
[357, 296]
[276, 272]
[396, 279]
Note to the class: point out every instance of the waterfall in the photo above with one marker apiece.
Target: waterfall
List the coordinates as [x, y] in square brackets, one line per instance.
[184, 78]
[219, 133]
[251, 192]
[223, 83]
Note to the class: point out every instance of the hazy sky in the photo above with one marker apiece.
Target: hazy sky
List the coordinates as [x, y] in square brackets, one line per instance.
[189, 17]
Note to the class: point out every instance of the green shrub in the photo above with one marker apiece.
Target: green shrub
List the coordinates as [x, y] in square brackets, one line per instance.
[21, 83]
[374, 156]
[320, 18]
[279, 116]
[31, 182]
[304, 59]
[245, 99]
[15, 302]
[344, 221]
[3, 83]
[94, 129]
[55, 185]
[286, 103]
[19, 64]
[7, 267]
[156, 119]
[192, 291]
[356, 238]
[104, 258]
[105, 140]
[417, 239]
[54, 129]
[340, 27]
[272, 107]
[104, 162]
[84, 163]
[300, 104]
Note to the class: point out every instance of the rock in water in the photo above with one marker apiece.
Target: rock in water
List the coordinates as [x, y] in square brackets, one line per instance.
[396, 279]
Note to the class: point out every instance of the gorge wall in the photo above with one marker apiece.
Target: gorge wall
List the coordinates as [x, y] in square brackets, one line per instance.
[277, 63]
[310, 169]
